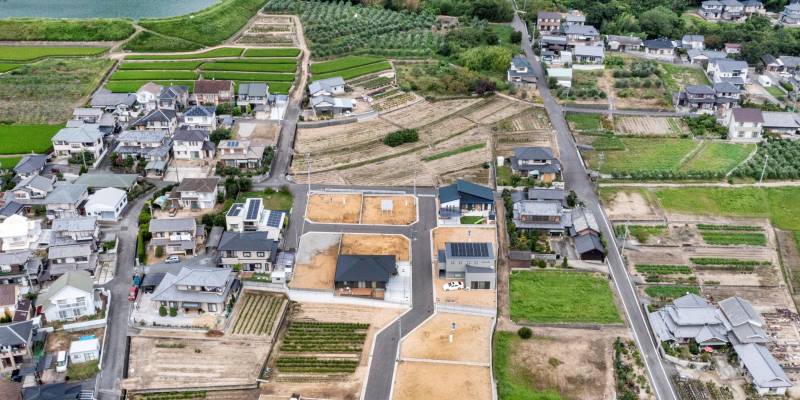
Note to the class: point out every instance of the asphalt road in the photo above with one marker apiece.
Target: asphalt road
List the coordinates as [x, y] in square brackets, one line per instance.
[577, 179]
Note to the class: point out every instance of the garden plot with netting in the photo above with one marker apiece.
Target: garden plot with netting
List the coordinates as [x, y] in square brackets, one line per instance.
[312, 348]
[257, 314]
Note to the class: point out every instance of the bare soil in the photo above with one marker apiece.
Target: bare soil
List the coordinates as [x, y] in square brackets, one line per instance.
[650, 126]
[316, 261]
[334, 208]
[375, 244]
[60, 340]
[404, 210]
[415, 380]
[431, 340]
[633, 206]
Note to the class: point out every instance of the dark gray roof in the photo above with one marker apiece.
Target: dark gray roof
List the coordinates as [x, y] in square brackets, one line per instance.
[699, 89]
[354, 268]
[247, 241]
[626, 40]
[454, 191]
[468, 250]
[31, 163]
[153, 278]
[15, 334]
[254, 89]
[660, 43]
[190, 135]
[533, 153]
[585, 30]
[113, 99]
[546, 194]
[748, 115]
[726, 87]
[548, 15]
[588, 243]
[172, 224]
[201, 111]
[58, 391]
[768, 59]
[171, 92]
[160, 115]
[728, 65]
[203, 185]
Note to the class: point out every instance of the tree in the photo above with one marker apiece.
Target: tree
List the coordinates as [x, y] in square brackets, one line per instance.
[220, 134]
[492, 10]
[660, 22]
[516, 37]
[486, 58]
[525, 332]
[565, 263]
[162, 311]
[159, 251]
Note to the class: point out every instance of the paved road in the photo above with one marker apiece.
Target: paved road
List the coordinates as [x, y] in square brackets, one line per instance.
[577, 179]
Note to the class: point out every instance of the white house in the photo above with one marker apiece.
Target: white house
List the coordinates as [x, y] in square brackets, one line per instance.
[192, 144]
[81, 351]
[106, 204]
[87, 137]
[745, 125]
[70, 297]
[147, 96]
[195, 193]
[563, 76]
[251, 216]
[727, 70]
[19, 233]
[693, 42]
[326, 87]
[201, 117]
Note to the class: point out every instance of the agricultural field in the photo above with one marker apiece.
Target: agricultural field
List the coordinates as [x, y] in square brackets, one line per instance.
[257, 314]
[30, 53]
[588, 123]
[279, 52]
[146, 41]
[65, 30]
[717, 157]
[9, 162]
[24, 139]
[8, 67]
[649, 126]
[306, 348]
[647, 84]
[782, 163]
[270, 30]
[214, 53]
[549, 296]
[349, 67]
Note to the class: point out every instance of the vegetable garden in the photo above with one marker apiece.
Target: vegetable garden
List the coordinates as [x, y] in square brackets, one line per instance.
[304, 340]
[349, 67]
[257, 314]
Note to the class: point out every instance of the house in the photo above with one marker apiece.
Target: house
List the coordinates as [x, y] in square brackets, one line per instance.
[65, 199]
[99, 180]
[87, 138]
[623, 43]
[536, 162]
[15, 344]
[696, 42]
[241, 154]
[548, 21]
[574, 17]
[195, 193]
[583, 222]
[197, 290]
[173, 98]
[87, 115]
[578, 35]
[780, 122]
[70, 297]
[121, 105]
[547, 194]
[71, 257]
[590, 248]
[176, 235]
[727, 70]
[326, 87]
[150, 146]
[30, 164]
[791, 64]
[251, 216]
[659, 48]
[19, 267]
[690, 318]
[551, 47]
[563, 76]
[588, 55]
[192, 144]
[541, 215]
[732, 10]
[727, 95]
[697, 56]
[327, 105]
[19, 233]
[521, 71]
[253, 251]
[157, 120]
[746, 325]
[464, 198]
[8, 299]
[147, 96]
[77, 229]
[213, 92]
[711, 9]
[474, 262]
[106, 204]
[753, 7]
[252, 94]
[201, 117]
[32, 188]
[762, 370]
[703, 99]
[771, 64]
[791, 14]
[745, 125]
[84, 350]
[363, 275]
[733, 48]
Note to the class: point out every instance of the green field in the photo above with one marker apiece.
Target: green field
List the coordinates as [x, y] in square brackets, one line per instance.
[154, 75]
[28, 53]
[8, 67]
[734, 238]
[718, 157]
[357, 71]
[663, 269]
[607, 142]
[65, 30]
[248, 76]
[249, 67]
[265, 60]
[339, 64]
[133, 86]
[585, 122]
[277, 52]
[21, 139]
[161, 65]
[555, 296]
[645, 154]
[220, 52]
[514, 380]
[670, 292]
[9, 162]
[152, 42]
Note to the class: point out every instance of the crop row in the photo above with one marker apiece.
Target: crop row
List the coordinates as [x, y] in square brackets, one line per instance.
[329, 325]
[734, 238]
[663, 269]
[709, 227]
[725, 261]
[258, 314]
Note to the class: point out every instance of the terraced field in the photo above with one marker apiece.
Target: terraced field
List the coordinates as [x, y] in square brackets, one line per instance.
[349, 67]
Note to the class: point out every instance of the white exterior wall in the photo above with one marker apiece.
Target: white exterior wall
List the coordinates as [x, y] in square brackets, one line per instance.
[71, 310]
[184, 150]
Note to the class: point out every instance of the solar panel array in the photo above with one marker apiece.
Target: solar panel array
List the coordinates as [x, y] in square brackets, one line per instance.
[254, 206]
[235, 210]
[274, 219]
[469, 249]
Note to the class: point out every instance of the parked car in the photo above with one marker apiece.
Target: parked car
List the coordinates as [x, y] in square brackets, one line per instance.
[62, 361]
[453, 285]
[173, 259]
[133, 293]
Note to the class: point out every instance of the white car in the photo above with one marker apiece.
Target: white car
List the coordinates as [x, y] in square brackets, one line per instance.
[172, 260]
[62, 361]
[454, 285]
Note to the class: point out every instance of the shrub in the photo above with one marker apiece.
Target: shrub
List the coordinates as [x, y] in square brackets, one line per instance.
[516, 37]
[173, 312]
[397, 138]
[162, 311]
[159, 251]
[525, 332]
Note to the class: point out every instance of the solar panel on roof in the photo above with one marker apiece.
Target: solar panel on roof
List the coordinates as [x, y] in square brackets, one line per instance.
[235, 210]
[469, 249]
[252, 209]
[274, 219]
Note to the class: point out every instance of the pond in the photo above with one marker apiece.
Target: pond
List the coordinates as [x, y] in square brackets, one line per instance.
[134, 9]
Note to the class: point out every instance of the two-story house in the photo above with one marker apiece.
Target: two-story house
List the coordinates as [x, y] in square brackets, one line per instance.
[745, 125]
[70, 297]
[252, 251]
[574, 17]
[157, 120]
[192, 144]
[19, 267]
[196, 290]
[106, 204]
[85, 138]
[474, 262]
[78, 229]
[195, 193]
[176, 235]
[251, 216]
[326, 87]
[593, 55]
[752, 7]
[536, 162]
[241, 154]
[791, 14]
[19, 233]
[213, 92]
[35, 187]
[30, 164]
[541, 215]
[173, 98]
[201, 117]
[147, 96]
[150, 146]
[66, 199]
[699, 99]
[727, 70]
[15, 344]
[71, 257]
[120, 105]
[520, 70]
[253, 94]
[697, 42]
[464, 198]
[578, 35]
[548, 21]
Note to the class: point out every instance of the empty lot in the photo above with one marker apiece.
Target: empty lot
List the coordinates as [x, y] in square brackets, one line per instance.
[334, 208]
[419, 380]
[358, 208]
[375, 244]
[431, 340]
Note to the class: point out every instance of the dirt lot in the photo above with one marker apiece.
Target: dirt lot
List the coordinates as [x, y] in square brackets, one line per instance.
[263, 132]
[206, 362]
[316, 261]
[60, 340]
[404, 210]
[632, 206]
[369, 244]
[415, 380]
[649, 126]
[442, 235]
[471, 340]
[334, 208]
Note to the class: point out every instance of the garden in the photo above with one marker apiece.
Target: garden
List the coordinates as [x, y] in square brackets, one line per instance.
[306, 341]
[257, 314]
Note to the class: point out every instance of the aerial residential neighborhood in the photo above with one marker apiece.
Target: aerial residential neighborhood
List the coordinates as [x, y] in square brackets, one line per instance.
[397, 200]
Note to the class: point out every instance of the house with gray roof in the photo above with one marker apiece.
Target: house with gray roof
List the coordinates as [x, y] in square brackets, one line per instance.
[326, 87]
[791, 14]
[85, 138]
[546, 194]
[34, 187]
[593, 55]
[150, 146]
[252, 251]
[745, 125]
[252, 94]
[590, 248]
[329, 105]
[122, 106]
[548, 21]
[541, 215]
[746, 324]
[578, 35]
[176, 235]
[698, 56]
[474, 262]
[363, 275]
[192, 144]
[727, 70]
[77, 229]
[196, 290]
[201, 117]
[71, 257]
[464, 198]
[15, 344]
[195, 193]
[762, 370]
[690, 318]
[30, 164]
[659, 48]
[99, 180]
[70, 297]
[536, 163]
[696, 42]
[781, 122]
[241, 153]
[173, 98]
[157, 120]
[65, 199]
[623, 43]
[521, 71]
[18, 266]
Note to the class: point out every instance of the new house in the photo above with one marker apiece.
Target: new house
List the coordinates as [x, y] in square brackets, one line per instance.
[192, 144]
[251, 216]
[19, 233]
[252, 251]
[176, 235]
[548, 21]
[745, 125]
[536, 163]
[163, 120]
[196, 290]
[85, 138]
[727, 70]
[30, 164]
[195, 193]
[213, 92]
[521, 71]
[106, 204]
[659, 48]
[147, 96]
[333, 106]
[173, 98]
[623, 43]
[464, 198]
[241, 154]
[363, 275]
[70, 297]
[722, 10]
[474, 262]
[326, 87]
[252, 94]
[201, 117]
[71, 257]
[15, 344]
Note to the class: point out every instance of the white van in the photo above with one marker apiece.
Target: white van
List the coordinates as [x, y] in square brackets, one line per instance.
[62, 361]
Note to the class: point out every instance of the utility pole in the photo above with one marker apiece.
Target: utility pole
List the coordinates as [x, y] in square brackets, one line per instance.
[763, 169]
[308, 166]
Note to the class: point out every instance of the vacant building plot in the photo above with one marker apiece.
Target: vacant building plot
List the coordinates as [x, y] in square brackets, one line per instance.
[650, 126]
[629, 205]
[376, 244]
[263, 132]
[388, 210]
[420, 380]
[443, 235]
[201, 362]
[315, 265]
[471, 339]
[334, 208]
[255, 314]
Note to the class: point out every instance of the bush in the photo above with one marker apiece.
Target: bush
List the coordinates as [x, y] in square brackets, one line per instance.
[159, 251]
[397, 138]
[516, 37]
[162, 311]
[525, 332]
[173, 312]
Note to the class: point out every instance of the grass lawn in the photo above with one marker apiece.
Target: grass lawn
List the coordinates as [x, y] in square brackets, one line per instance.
[718, 157]
[471, 220]
[277, 52]
[27, 53]
[248, 76]
[503, 176]
[775, 91]
[9, 162]
[221, 52]
[249, 67]
[153, 75]
[86, 370]
[555, 296]
[22, 139]
[356, 72]
[514, 380]
[339, 64]
[272, 201]
[161, 65]
[133, 86]
[8, 67]
[152, 42]
[585, 122]
[65, 30]
[645, 154]
[676, 77]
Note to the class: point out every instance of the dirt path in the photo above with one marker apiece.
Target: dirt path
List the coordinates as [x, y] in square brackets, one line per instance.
[305, 54]
[503, 269]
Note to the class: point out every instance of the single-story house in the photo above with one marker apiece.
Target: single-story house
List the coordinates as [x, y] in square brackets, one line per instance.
[589, 247]
[464, 198]
[30, 164]
[663, 48]
[623, 43]
[331, 105]
[363, 275]
[84, 350]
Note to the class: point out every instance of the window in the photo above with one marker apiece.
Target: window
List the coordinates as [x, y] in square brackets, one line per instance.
[246, 254]
[212, 307]
[260, 254]
[480, 285]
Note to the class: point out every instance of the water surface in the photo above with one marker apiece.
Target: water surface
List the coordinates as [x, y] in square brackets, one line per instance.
[100, 8]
